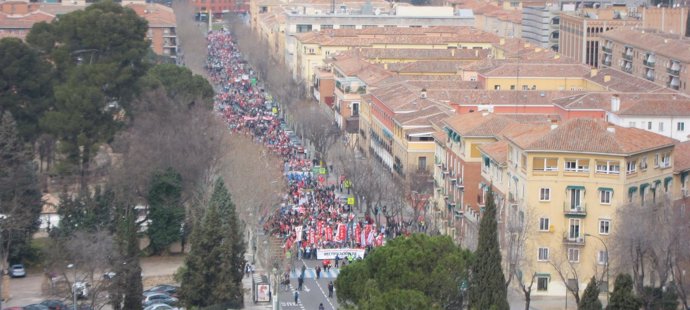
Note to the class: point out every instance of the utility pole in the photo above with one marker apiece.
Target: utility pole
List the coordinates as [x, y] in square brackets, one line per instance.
[606, 264]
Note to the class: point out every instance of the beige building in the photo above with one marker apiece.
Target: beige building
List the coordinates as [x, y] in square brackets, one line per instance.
[566, 185]
[659, 58]
[580, 31]
[162, 30]
[668, 20]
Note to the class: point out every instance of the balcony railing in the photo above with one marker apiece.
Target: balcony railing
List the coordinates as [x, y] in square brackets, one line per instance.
[574, 210]
[606, 49]
[568, 240]
[673, 71]
[627, 56]
[648, 63]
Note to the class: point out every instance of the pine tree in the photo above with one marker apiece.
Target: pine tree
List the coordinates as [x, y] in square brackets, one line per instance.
[165, 209]
[622, 297]
[487, 285]
[590, 298]
[212, 274]
[128, 286]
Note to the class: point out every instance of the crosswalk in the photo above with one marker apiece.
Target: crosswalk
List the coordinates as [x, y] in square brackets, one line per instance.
[310, 273]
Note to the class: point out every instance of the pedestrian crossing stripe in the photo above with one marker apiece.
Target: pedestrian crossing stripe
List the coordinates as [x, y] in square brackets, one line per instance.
[310, 273]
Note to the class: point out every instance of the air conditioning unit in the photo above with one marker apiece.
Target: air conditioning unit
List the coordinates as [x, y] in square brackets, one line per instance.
[552, 228]
[580, 240]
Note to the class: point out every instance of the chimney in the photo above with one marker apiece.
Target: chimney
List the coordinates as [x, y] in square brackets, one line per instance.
[593, 72]
[607, 78]
[615, 103]
[502, 41]
[385, 66]
[554, 123]
[610, 128]
[423, 93]
[452, 52]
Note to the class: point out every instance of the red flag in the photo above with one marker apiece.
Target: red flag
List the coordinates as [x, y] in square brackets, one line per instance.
[329, 233]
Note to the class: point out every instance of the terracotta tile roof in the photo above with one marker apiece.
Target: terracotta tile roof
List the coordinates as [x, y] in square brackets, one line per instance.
[602, 101]
[473, 97]
[497, 151]
[665, 45]
[623, 82]
[524, 134]
[656, 107]
[681, 157]
[581, 135]
[438, 66]
[440, 136]
[537, 70]
[157, 15]
[422, 117]
[423, 54]
[367, 37]
[478, 124]
[26, 21]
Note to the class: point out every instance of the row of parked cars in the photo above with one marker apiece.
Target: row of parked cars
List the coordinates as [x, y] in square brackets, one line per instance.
[160, 297]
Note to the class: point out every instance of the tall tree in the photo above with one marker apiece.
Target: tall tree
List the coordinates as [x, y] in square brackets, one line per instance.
[622, 297]
[487, 285]
[20, 196]
[433, 267]
[86, 212]
[25, 85]
[166, 211]
[181, 86]
[590, 298]
[212, 273]
[128, 277]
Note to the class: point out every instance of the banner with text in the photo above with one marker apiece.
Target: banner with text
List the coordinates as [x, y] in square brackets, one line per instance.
[342, 253]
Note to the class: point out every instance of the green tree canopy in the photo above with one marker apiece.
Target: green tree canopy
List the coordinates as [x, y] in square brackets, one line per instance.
[622, 297]
[165, 209]
[212, 275]
[86, 212]
[487, 285]
[590, 298]
[181, 85]
[25, 85]
[433, 267]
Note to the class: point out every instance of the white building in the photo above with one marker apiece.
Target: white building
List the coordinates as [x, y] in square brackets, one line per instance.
[670, 118]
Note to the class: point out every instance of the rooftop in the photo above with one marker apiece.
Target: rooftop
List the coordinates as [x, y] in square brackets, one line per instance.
[25, 21]
[537, 70]
[157, 15]
[665, 45]
[681, 157]
[583, 135]
[623, 82]
[478, 124]
[396, 35]
[602, 101]
[497, 151]
[423, 54]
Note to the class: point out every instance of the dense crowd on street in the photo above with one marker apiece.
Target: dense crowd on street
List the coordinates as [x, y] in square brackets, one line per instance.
[314, 214]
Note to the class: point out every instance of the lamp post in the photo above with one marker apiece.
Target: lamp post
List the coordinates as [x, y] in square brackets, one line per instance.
[606, 263]
[74, 285]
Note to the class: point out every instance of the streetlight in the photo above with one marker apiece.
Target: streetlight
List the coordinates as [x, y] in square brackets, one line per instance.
[74, 285]
[606, 263]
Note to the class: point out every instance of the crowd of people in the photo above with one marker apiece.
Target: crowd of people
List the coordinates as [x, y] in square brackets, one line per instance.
[314, 214]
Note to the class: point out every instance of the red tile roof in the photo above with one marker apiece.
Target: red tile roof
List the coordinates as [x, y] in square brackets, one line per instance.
[27, 21]
[681, 157]
[157, 15]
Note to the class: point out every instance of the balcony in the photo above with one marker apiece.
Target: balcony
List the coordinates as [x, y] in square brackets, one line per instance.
[606, 49]
[672, 71]
[574, 211]
[627, 56]
[573, 241]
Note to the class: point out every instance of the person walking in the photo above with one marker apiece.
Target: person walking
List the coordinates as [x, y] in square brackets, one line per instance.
[296, 297]
[321, 306]
[330, 289]
[300, 282]
[318, 272]
[337, 260]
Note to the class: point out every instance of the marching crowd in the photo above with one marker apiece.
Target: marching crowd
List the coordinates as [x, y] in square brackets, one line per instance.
[313, 215]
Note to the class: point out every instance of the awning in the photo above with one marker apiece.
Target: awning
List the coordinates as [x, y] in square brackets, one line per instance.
[656, 183]
[605, 189]
[667, 180]
[632, 189]
[578, 187]
[643, 186]
[543, 274]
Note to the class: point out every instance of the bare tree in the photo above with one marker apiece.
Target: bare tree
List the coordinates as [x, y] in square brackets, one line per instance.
[568, 273]
[646, 242]
[516, 224]
[316, 128]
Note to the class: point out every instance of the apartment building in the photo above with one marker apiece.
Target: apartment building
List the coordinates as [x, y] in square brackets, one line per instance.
[671, 20]
[569, 183]
[660, 58]
[218, 7]
[162, 30]
[540, 25]
[580, 31]
[681, 171]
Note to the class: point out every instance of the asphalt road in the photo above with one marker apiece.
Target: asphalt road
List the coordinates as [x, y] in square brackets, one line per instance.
[314, 291]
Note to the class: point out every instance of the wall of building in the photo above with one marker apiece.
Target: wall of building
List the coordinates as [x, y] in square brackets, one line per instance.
[668, 126]
[670, 20]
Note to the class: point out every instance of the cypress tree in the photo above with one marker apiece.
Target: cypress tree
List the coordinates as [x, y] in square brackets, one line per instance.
[590, 298]
[165, 209]
[487, 284]
[622, 297]
[212, 275]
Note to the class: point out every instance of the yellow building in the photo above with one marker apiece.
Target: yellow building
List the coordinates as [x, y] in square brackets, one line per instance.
[535, 76]
[566, 185]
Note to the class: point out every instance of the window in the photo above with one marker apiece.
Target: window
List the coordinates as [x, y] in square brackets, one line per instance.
[573, 255]
[543, 254]
[649, 125]
[604, 227]
[574, 229]
[325, 27]
[512, 87]
[545, 194]
[664, 160]
[525, 87]
[631, 167]
[544, 224]
[303, 28]
[575, 198]
[632, 124]
[680, 126]
[608, 167]
[355, 109]
[421, 163]
[542, 284]
[545, 164]
[661, 126]
[575, 165]
[602, 257]
[605, 196]
[643, 163]
[497, 87]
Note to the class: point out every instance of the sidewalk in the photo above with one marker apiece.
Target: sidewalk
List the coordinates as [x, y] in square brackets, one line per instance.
[247, 285]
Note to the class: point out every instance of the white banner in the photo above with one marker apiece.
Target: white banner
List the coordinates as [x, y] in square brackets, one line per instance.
[342, 253]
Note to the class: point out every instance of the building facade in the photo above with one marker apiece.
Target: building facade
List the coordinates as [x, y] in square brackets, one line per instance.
[540, 25]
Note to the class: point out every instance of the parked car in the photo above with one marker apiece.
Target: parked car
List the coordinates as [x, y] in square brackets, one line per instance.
[160, 307]
[82, 289]
[152, 298]
[17, 271]
[53, 304]
[36, 307]
[168, 289]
